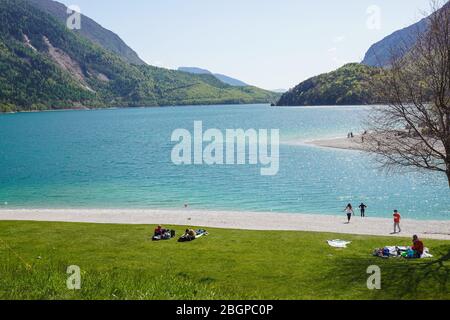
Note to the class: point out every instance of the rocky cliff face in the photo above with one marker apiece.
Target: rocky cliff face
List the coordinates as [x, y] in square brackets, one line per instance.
[397, 44]
[91, 30]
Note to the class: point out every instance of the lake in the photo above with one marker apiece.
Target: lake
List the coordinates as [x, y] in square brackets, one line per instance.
[122, 159]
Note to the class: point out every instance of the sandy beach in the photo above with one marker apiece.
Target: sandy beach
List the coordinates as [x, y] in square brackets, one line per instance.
[339, 143]
[235, 220]
[344, 143]
[355, 143]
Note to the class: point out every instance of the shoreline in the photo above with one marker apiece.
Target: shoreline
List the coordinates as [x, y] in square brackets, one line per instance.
[356, 143]
[429, 229]
[339, 143]
[122, 107]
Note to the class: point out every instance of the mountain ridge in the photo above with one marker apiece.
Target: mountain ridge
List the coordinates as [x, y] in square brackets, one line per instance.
[397, 43]
[348, 85]
[224, 78]
[91, 30]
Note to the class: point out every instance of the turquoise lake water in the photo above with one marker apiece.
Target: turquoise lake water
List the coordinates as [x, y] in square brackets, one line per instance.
[122, 159]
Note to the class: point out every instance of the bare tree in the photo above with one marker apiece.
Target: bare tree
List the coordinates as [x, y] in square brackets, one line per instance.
[412, 129]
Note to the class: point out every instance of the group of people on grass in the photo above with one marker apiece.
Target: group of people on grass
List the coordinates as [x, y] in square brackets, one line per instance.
[416, 251]
[166, 234]
[163, 234]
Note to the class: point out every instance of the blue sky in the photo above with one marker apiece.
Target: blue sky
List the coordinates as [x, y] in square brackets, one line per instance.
[268, 43]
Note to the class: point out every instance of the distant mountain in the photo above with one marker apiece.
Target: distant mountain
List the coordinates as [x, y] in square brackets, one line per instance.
[44, 65]
[230, 81]
[91, 30]
[349, 85]
[380, 54]
[225, 79]
[396, 44]
[194, 70]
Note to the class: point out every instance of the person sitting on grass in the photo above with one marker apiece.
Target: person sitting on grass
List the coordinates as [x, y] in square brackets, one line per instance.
[159, 231]
[417, 247]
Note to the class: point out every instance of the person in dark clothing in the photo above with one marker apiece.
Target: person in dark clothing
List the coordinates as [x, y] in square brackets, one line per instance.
[159, 231]
[363, 208]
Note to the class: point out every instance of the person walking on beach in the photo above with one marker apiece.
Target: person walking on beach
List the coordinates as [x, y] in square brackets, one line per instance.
[397, 218]
[363, 207]
[349, 211]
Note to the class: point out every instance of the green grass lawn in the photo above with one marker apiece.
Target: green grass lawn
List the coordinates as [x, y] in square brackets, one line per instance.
[121, 262]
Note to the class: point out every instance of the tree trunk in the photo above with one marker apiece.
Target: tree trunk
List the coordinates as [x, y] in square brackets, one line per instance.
[447, 160]
[448, 174]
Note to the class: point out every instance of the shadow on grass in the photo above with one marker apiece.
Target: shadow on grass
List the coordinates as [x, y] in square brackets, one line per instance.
[400, 278]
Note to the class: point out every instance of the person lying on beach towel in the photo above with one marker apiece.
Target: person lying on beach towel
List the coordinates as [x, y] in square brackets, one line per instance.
[200, 233]
[191, 235]
[389, 251]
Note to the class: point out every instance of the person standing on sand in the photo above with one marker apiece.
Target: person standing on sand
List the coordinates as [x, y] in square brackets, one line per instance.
[349, 211]
[397, 218]
[363, 207]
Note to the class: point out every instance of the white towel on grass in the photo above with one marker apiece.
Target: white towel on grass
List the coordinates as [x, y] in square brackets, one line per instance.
[338, 243]
[426, 254]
